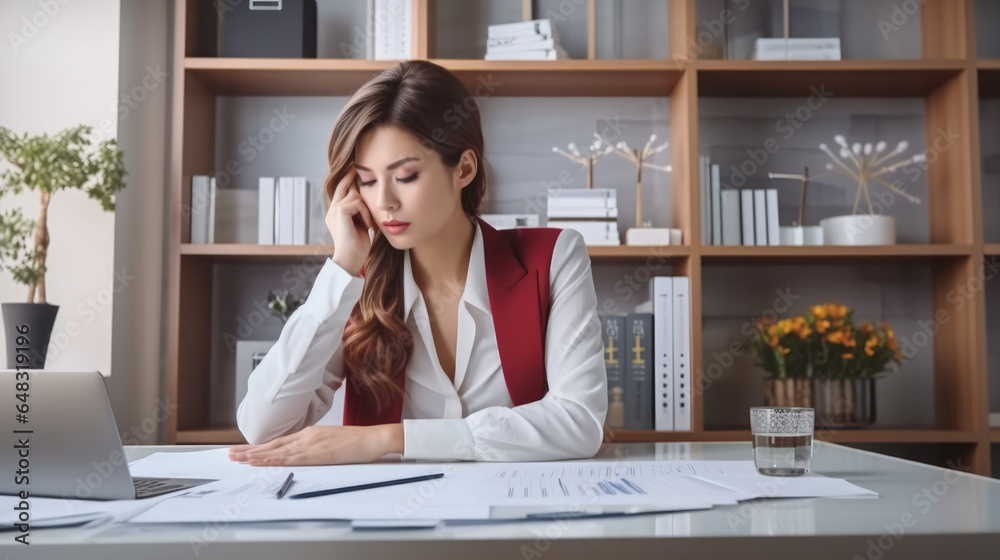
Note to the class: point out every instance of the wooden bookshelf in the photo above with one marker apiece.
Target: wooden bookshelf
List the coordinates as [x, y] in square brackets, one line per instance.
[947, 77]
[881, 435]
[264, 252]
[841, 78]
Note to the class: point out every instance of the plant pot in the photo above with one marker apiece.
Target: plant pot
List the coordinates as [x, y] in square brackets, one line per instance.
[788, 392]
[37, 320]
[844, 403]
[862, 229]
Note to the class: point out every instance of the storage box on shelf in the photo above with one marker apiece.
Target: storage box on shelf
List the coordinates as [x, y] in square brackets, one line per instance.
[943, 76]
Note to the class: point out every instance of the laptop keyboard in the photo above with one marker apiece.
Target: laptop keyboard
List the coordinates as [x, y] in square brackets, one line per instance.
[146, 487]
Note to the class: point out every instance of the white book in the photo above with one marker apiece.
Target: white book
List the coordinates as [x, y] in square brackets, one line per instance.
[510, 221]
[716, 206]
[746, 209]
[300, 211]
[773, 237]
[265, 211]
[682, 353]
[540, 54]
[796, 48]
[370, 29]
[581, 212]
[392, 29]
[730, 217]
[599, 229]
[520, 28]
[212, 195]
[284, 215]
[543, 44]
[572, 198]
[705, 197]
[200, 193]
[759, 217]
[509, 41]
[661, 295]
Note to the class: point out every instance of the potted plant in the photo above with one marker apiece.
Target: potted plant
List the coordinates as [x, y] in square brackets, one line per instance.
[71, 159]
[866, 165]
[832, 363]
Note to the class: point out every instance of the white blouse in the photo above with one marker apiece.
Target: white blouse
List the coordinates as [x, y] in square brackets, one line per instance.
[473, 418]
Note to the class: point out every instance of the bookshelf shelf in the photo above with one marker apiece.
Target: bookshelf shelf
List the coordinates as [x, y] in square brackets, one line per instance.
[564, 78]
[842, 78]
[210, 436]
[251, 251]
[944, 81]
[879, 435]
[827, 254]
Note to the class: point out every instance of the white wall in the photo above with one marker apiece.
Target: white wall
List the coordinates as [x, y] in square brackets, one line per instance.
[72, 71]
[60, 68]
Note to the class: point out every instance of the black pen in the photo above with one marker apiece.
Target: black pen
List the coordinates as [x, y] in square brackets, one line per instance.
[285, 485]
[365, 486]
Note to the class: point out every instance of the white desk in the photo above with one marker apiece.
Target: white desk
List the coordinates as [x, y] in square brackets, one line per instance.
[951, 516]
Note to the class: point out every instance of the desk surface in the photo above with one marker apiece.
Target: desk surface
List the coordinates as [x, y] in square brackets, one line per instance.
[922, 512]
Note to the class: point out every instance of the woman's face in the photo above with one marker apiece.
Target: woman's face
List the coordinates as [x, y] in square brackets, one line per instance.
[401, 180]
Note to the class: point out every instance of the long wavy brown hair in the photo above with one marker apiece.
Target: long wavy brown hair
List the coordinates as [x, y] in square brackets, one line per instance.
[434, 106]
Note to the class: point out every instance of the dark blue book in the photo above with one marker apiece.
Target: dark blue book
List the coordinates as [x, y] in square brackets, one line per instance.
[639, 371]
[613, 328]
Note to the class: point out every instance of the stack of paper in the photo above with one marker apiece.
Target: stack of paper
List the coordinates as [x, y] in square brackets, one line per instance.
[524, 40]
[467, 492]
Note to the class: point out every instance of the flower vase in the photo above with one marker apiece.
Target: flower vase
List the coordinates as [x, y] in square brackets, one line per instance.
[788, 392]
[844, 403]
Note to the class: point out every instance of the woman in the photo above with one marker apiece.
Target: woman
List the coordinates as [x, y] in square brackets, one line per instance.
[457, 341]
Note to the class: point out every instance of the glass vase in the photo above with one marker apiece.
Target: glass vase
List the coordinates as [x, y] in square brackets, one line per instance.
[844, 403]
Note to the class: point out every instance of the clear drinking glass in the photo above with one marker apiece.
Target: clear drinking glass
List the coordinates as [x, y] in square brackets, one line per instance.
[782, 439]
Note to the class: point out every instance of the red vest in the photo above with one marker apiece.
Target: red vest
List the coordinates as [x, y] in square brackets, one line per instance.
[517, 281]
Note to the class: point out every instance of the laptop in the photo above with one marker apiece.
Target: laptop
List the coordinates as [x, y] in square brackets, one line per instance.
[65, 443]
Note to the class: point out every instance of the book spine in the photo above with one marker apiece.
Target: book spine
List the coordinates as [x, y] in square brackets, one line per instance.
[639, 376]
[746, 207]
[213, 192]
[682, 353]
[285, 214]
[759, 217]
[663, 368]
[704, 178]
[716, 207]
[614, 342]
[300, 224]
[773, 237]
[199, 208]
[519, 29]
[265, 211]
[730, 217]
[582, 212]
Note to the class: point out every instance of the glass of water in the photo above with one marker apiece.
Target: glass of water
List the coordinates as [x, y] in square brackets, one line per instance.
[782, 439]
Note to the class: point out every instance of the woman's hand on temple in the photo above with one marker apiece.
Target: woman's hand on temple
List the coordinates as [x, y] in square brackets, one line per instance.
[324, 445]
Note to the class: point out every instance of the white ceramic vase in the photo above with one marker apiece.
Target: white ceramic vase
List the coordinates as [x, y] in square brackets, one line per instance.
[860, 229]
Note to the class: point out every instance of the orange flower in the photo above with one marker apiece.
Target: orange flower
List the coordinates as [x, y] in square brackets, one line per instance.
[819, 311]
[822, 326]
[847, 356]
[870, 346]
[773, 343]
[836, 337]
[785, 351]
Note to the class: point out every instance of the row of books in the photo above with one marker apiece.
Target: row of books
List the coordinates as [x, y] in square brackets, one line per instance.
[281, 208]
[647, 355]
[524, 40]
[736, 216]
[592, 212]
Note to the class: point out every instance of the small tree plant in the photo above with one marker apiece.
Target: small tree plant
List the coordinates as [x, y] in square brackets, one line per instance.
[72, 159]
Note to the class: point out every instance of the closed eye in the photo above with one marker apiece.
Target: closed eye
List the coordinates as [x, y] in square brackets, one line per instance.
[401, 180]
